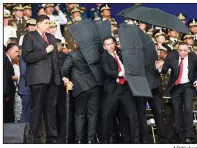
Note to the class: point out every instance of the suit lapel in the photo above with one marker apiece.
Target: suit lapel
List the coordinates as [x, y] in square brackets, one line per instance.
[112, 60]
[176, 62]
[40, 39]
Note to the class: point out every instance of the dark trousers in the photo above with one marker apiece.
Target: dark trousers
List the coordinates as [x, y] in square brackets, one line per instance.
[44, 101]
[8, 109]
[169, 119]
[156, 105]
[25, 116]
[182, 99]
[123, 96]
[87, 105]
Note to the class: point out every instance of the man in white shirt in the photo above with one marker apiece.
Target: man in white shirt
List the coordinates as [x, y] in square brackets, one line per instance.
[60, 19]
[182, 83]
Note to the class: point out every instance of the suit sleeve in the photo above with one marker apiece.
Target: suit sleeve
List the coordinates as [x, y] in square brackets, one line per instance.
[66, 68]
[166, 65]
[28, 53]
[107, 69]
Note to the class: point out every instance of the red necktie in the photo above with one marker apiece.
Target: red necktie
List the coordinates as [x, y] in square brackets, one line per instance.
[45, 38]
[178, 80]
[121, 79]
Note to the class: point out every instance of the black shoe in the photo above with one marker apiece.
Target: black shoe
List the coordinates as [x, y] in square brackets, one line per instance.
[188, 141]
[78, 142]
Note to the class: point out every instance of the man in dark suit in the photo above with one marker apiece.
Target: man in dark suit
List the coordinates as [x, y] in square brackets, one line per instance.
[39, 52]
[11, 52]
[183, 65]
[86, 92]
[117, 91]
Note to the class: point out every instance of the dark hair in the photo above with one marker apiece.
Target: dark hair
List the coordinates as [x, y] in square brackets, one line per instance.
[109, 37]
[39, 8]
[41, 18]
[182, 43]
[9, 46]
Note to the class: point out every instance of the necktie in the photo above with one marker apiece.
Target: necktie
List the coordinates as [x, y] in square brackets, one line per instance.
[178, 80]
[19, 22]
[45, 38]
[121, 79]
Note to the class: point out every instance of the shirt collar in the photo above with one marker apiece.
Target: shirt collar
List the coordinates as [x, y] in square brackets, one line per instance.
[186, 58]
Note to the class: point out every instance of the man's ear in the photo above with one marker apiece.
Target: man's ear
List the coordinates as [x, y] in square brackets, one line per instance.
[104, 47]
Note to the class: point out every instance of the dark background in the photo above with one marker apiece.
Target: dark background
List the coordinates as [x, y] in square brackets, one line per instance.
[190, 10]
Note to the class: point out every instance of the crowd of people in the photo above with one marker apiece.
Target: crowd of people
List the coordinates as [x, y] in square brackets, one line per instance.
[43, 61]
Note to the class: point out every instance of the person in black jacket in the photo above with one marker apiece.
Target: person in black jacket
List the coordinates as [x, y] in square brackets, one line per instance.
[182, 83]
[9, 88]
[39, 52]
[117, 91]
[86, 92]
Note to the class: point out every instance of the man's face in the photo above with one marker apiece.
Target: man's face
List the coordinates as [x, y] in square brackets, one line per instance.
[109, 45]
[189, 41]
[193, 29]
[31, 28]
[106, 13]
[44, 25]
[161, 39]
[53, 30]
[183, 51]
[49, 10]
[18, 14]
[142, 26]
[27, 12]
[163, 55]
[184, 21]
[76, 15]
[172, 33]
[13, 52]
[41, 12]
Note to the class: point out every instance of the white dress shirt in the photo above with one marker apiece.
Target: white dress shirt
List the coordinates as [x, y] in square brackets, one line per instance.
[195, 37]
[184, 78]
[121, 65]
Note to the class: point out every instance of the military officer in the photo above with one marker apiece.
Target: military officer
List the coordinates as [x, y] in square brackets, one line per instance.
[188, 38]
[9, 31]
[173, 40]
[75, 16]
[18, 21]
[30, 26]
[193, 29]
[182, 17]
[106, 15]
[27, 12]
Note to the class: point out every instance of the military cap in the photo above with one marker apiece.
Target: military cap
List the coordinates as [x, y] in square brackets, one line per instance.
[181, 16]
[104, 7]
[52, 24]
[188, 36]
[18, 7]
[158, 33]
[6, 14]
[75, 9]
[31, 22]
[27, 6]
[192, 23]
[47, 5]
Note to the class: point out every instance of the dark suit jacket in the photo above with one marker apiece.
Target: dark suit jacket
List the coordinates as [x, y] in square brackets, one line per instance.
[172, 62]
[40, 63]
[110, 69]
[78, 71]
[8, 71]
[22, 88]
